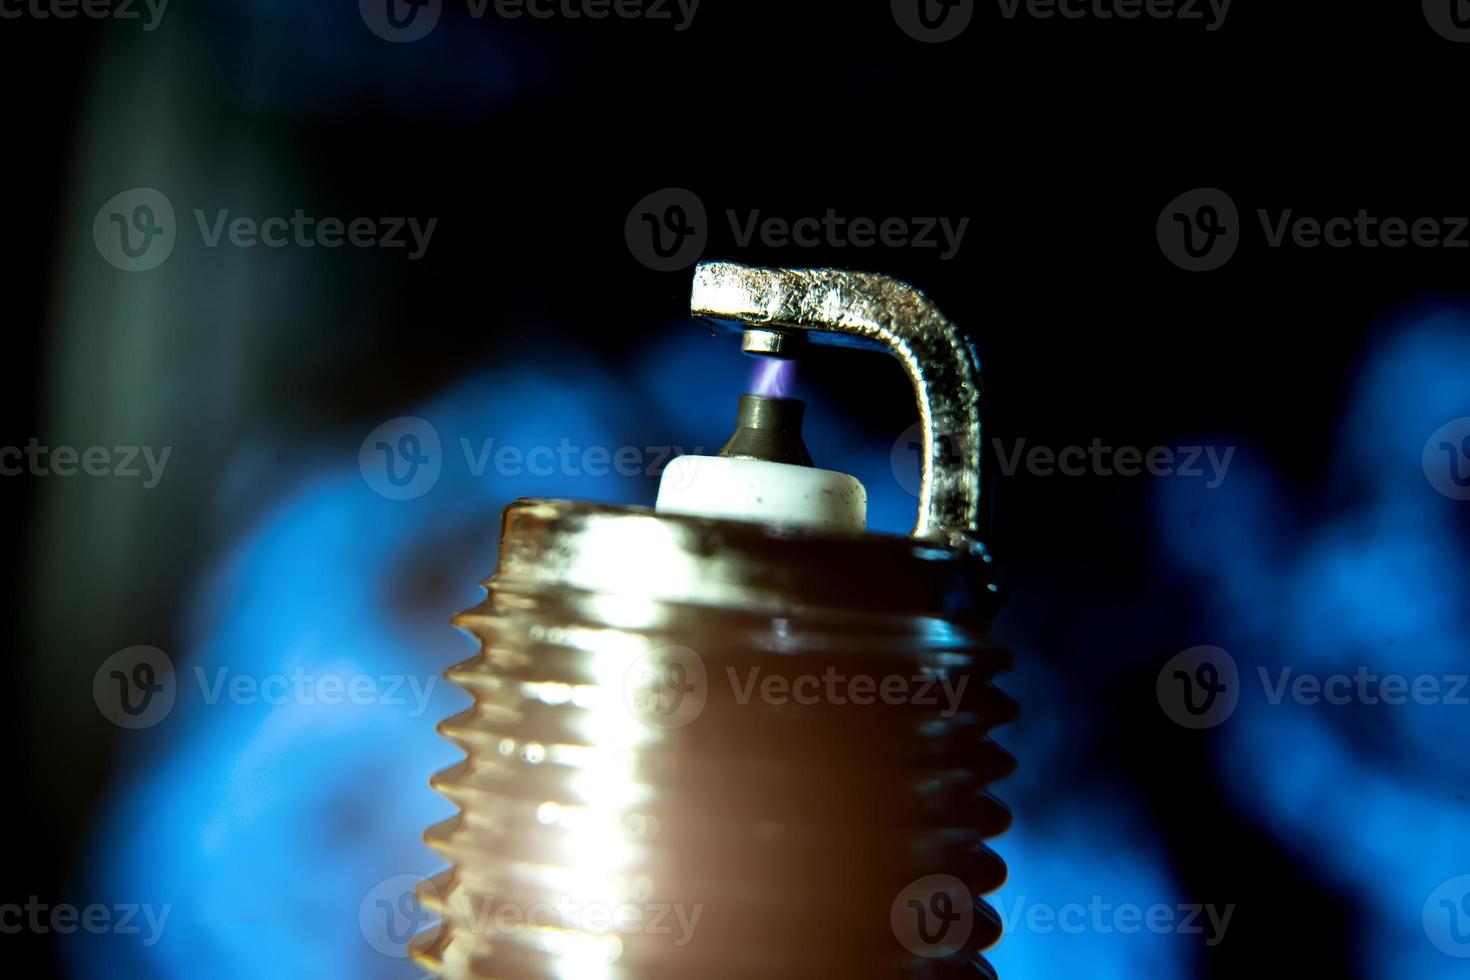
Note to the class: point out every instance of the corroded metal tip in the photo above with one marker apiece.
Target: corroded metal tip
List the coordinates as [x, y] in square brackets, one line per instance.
[769, 429]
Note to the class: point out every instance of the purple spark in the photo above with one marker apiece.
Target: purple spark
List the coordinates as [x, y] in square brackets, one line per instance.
[772, 377]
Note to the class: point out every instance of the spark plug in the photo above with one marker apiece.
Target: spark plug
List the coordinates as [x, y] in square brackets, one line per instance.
[682, 759]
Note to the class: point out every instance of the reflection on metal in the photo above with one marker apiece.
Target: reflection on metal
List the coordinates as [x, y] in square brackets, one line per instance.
[705, 748]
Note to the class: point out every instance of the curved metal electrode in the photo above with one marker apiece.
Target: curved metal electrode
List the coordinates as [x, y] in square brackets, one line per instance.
[774, 307]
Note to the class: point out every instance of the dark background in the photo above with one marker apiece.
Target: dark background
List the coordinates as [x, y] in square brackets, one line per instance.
[1061, 141]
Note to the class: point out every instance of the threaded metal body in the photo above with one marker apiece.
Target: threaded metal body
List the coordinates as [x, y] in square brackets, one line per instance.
[681, 760]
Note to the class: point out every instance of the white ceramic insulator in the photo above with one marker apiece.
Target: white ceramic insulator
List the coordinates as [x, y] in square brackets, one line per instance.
[757, 490]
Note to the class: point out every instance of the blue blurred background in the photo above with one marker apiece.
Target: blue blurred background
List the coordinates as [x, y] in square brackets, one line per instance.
[1333, 834]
